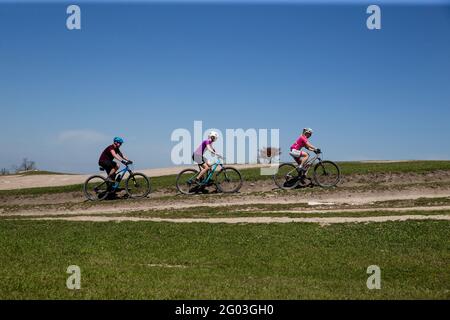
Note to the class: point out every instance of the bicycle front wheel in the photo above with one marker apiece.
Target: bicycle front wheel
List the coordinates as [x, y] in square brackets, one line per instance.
[96, 188]
[286, 176]
[186, 181]
[229, 180]
[137, 185]
[327, 174]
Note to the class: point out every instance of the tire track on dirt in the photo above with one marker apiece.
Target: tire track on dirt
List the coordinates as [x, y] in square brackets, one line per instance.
[216, 201]
[253, 220]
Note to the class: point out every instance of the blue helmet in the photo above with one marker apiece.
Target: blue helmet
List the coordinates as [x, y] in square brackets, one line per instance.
[118, 140]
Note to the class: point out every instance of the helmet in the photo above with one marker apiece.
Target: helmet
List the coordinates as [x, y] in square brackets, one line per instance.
[308, 130]
[213, 134]
[118, 140]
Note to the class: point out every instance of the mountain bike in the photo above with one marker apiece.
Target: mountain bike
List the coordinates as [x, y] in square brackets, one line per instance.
[226, 180]
[325, 173]
[137, 185]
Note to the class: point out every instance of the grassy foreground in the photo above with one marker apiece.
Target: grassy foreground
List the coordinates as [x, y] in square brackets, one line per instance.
[207, 261]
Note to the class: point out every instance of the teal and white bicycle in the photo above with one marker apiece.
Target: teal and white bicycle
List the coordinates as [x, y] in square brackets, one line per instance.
[225, 179]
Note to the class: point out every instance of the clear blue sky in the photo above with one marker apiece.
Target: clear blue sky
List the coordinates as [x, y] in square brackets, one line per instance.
[142, 70]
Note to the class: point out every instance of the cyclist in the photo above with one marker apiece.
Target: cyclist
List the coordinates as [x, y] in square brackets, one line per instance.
[198, 157]
[302, 142]
[110, 153]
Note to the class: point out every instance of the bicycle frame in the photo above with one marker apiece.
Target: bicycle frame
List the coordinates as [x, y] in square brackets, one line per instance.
[211, 171]
[310, 161]
[124, 171]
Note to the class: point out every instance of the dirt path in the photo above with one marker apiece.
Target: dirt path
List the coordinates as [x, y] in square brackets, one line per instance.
[245, 220]
[298, 200]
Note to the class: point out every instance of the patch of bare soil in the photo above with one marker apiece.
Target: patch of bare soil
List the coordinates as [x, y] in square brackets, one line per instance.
[395, 178]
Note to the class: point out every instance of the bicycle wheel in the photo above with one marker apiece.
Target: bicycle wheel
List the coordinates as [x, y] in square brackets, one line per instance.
[137, 185]
[229, 180]
[185, 181]
[327, 174]
[96, 188]
[286, 176]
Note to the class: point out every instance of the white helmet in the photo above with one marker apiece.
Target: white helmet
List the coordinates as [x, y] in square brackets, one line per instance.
[308, 130]
[213, 134]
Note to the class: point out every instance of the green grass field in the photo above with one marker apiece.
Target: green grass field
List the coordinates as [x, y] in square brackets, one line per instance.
[205, 261]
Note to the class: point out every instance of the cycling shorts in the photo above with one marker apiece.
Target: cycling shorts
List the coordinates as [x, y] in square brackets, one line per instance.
[108, 165]
[200, 159]
[296, 153]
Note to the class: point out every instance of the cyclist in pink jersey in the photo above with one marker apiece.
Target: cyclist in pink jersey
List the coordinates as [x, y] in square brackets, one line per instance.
[302, 142]
[198, 156]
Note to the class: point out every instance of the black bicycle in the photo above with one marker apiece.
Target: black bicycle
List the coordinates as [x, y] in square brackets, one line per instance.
[325, 173]
[137, 185]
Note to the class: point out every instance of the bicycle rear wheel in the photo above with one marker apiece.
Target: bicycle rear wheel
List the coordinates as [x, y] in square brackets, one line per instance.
[229, 180]
[96, 188]
[327, 174]
[286, 176]
[186, 181]
[137, 185]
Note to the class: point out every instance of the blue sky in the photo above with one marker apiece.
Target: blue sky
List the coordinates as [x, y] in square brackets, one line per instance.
[142, 70]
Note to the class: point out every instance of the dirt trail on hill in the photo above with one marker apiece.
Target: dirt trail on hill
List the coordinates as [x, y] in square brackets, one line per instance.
[326, 202]
[364, 187]
[354, 190]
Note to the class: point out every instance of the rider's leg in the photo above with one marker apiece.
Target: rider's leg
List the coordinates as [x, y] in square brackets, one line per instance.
[296, 155]
[112, 173]
[303, 158]
[205, 167]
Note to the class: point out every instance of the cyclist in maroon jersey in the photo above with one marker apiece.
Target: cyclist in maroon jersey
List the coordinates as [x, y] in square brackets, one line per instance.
[111, 152]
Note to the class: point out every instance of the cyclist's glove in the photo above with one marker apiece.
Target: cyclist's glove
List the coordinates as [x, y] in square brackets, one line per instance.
[318, 151]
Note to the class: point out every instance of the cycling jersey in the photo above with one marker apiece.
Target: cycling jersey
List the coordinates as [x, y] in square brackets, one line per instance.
[107, 155]
[301, 142]
[201, 149]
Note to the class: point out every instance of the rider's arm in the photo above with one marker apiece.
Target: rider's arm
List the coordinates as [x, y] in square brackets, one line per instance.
[118, 156]
[211, 149]
[310, 147]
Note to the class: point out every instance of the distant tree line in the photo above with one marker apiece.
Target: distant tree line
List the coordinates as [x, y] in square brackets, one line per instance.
[25, 165]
